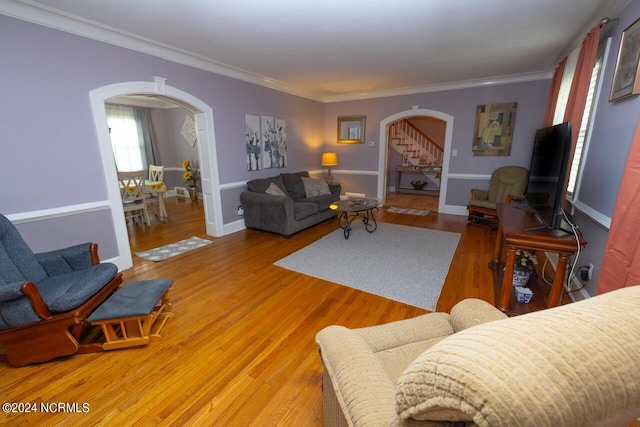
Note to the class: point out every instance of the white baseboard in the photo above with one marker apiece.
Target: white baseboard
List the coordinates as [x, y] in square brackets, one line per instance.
[575, 283]
[455, 210]
[234, 227]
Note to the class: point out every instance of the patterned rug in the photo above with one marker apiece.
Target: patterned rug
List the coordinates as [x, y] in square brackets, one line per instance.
[173, 249]
[407, 211]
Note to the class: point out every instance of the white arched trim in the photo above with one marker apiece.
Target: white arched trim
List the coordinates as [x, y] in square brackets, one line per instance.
[206, 151]
[384, 141]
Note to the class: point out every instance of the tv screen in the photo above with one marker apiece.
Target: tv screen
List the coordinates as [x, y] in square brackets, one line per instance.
[548, 173]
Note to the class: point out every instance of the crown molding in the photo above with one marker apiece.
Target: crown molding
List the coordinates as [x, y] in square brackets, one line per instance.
[48, 17]
[467, 84]
[39, 14]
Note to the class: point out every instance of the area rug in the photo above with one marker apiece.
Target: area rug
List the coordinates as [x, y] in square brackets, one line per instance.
[173, 249]
[405, 264]
[408, 211]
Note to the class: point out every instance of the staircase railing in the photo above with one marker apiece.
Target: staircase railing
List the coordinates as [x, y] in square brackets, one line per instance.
[404, 137]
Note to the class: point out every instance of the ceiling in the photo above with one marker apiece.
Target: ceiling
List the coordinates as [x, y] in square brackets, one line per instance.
[341, 49]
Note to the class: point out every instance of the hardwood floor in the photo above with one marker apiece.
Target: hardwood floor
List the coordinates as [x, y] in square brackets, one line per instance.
[240, 350]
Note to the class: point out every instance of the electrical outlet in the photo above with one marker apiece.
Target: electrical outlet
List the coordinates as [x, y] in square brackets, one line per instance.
[240, 210]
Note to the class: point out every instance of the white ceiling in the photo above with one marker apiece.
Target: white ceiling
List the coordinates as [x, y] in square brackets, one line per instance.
[346, 49]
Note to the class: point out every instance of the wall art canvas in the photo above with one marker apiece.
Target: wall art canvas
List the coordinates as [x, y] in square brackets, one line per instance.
[188, 131]
[626, 78]
[274, 139]
[252, 138]
[493, 132]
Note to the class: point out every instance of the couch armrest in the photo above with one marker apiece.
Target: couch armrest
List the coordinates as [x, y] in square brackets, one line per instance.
[477, 194]
[430, 326]
[66, 260]
[363, 389]
[267, 212]
[11, 291]
[518, 198]
[471, 312]
[17, 290]
[37, 303]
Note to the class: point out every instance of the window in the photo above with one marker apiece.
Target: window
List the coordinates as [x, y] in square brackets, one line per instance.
[126, 142]
[587, 119]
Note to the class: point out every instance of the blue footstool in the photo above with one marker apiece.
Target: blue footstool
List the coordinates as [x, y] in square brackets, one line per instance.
[135, 314]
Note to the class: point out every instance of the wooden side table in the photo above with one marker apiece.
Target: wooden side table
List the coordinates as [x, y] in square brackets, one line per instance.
[514, 220]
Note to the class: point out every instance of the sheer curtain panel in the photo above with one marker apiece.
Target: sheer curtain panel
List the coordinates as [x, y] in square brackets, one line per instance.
[128, 147]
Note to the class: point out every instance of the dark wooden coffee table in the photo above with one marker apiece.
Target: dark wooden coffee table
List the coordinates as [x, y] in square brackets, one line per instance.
[351, 209]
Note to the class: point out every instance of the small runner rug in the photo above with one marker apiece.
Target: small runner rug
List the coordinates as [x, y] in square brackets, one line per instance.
[407, 211]
[173, 249]
[402, 263]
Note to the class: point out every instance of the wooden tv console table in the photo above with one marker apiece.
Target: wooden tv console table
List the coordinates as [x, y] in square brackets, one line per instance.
[514, 221]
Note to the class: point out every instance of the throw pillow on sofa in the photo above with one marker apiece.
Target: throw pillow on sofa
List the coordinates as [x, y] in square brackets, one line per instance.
[274, 190]
[260, 185]
[293, 184]
[315, 187]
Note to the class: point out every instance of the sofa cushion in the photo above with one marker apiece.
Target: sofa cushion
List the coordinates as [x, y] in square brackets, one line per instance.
[315, 187]
[302, 210]
[68, 291]
[274, 190]
[323, 201]
[260, 185]
[293, 184]
[574, 365]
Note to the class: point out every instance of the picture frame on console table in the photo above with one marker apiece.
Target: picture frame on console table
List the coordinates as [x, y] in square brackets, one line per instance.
[626, 77]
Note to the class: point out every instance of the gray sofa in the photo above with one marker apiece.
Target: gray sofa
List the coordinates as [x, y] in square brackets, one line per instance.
[293, 206]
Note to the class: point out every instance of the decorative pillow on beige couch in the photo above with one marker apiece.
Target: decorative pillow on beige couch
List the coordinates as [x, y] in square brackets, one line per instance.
[575, 365]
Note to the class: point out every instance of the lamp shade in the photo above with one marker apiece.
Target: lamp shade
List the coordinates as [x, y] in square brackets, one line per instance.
[329, 159]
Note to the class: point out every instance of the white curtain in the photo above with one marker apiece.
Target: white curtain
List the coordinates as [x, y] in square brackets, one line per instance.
[128, 147]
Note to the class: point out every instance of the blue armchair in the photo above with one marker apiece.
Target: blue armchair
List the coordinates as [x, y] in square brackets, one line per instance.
[46, 298]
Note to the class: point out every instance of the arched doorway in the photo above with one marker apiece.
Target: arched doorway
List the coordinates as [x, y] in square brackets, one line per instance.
[203, 115]
[383, 150]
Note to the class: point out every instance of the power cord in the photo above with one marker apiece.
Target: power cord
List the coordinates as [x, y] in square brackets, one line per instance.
[569, 278]
[576, 234]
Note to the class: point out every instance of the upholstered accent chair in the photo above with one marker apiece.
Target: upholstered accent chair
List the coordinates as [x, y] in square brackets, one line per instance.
[575, 365]
[506, 183]
[46, 298]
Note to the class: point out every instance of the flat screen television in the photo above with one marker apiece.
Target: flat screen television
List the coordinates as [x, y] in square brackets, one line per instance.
[548, 175]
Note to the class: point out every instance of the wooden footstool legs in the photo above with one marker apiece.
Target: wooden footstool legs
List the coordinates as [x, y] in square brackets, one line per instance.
[135, 314]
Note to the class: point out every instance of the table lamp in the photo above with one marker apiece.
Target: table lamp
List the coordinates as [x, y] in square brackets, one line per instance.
[329, 159]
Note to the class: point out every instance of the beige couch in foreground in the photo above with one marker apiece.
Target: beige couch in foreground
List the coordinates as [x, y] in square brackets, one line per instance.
[574, 365]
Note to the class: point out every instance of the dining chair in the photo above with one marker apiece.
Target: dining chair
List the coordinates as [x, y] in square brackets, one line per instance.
[156, 174]
[132, 189]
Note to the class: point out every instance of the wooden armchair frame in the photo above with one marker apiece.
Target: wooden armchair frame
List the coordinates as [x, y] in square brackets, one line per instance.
[57, 334]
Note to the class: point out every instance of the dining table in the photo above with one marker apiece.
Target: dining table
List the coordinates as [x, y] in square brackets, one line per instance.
[159, 189]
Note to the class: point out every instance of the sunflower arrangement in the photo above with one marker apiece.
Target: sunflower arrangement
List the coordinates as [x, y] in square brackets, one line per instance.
[191, 175]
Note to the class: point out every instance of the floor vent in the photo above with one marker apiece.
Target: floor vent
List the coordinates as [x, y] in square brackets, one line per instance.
[181, 192]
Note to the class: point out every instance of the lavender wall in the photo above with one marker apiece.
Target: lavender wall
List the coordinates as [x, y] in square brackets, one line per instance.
[461, 104]
[171, 147]
[49, 147]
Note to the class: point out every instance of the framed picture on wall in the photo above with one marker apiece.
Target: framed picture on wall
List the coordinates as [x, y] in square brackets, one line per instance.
[626, 78]
[493, 131]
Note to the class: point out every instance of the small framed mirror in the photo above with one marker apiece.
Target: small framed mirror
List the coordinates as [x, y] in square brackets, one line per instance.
[351, 130]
